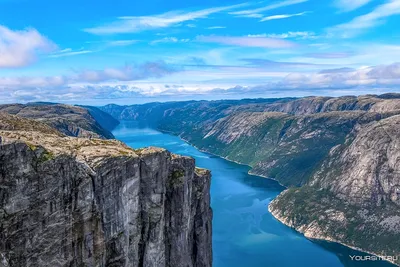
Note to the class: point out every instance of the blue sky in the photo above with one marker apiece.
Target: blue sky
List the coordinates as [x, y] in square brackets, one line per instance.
[119, 51]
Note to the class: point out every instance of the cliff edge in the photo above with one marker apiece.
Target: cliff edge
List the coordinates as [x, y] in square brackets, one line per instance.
[68, 201]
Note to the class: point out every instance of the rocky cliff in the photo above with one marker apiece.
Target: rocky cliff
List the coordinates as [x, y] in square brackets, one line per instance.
[338, 156]
[70, 120]
[354, 196]
[68, 201]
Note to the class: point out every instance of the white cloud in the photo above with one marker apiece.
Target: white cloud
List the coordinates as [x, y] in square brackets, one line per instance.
[128, 73]
[376, 76]
[350, 5]
[256, 12]
[69, 52]
[247, 41]
[216, 27]
[165, 20]
[282, 16]
[20, 48]
[253, 15]
[122, 42]
[367, 21]
[169, 40]
[287, 35]
[112, 84]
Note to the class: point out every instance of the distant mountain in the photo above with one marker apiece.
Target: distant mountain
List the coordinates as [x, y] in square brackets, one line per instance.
[69, 120]
[339, 157]
[104, 119]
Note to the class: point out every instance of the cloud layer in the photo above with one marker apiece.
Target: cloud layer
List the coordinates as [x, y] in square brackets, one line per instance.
[130, 82]
[20, 48]
[133, 24]
[127, 73]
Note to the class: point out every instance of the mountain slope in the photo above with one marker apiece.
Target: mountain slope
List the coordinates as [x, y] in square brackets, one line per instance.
[70, 120]
[354, 197]
[105, 120]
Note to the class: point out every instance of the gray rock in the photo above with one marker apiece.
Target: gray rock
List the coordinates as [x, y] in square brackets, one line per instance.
[101, 204]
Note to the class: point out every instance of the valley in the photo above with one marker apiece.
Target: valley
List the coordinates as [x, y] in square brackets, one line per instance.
[339, 151]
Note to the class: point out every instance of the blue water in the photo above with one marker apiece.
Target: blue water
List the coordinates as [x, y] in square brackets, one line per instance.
[245, 234]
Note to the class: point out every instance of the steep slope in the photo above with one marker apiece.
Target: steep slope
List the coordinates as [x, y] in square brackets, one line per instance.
[354, 197]
[70, 120]
[284, 147]
[105, 120]
[68, 201]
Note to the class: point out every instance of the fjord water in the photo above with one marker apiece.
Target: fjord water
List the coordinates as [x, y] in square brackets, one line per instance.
[245, 234]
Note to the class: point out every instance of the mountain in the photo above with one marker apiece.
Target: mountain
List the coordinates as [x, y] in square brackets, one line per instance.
[338, 157]
[70, 120]
[104, 119]
[354, 196]
[67, 201]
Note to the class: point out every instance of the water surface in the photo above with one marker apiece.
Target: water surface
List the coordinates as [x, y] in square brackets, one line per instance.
[245, 234]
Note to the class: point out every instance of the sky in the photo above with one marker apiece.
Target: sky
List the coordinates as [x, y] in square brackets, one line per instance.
[125, 52]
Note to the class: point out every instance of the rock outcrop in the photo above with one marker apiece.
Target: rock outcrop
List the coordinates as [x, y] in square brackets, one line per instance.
[68, 201]
[70, 120]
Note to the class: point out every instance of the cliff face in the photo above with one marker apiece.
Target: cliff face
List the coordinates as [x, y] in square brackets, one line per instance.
[69, 120]
[68, 201]
[372, 155]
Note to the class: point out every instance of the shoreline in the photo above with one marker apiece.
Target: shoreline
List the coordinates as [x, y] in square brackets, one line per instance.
[327, 239]
[230, 160]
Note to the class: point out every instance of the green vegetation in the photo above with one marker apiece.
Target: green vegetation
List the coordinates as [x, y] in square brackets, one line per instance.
[31, 146]
[286, 148]
[139, 151]
[176, 178]
[45, 156]
[123, 152]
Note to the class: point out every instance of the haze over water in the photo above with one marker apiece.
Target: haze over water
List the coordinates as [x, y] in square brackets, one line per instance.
[245, 234]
